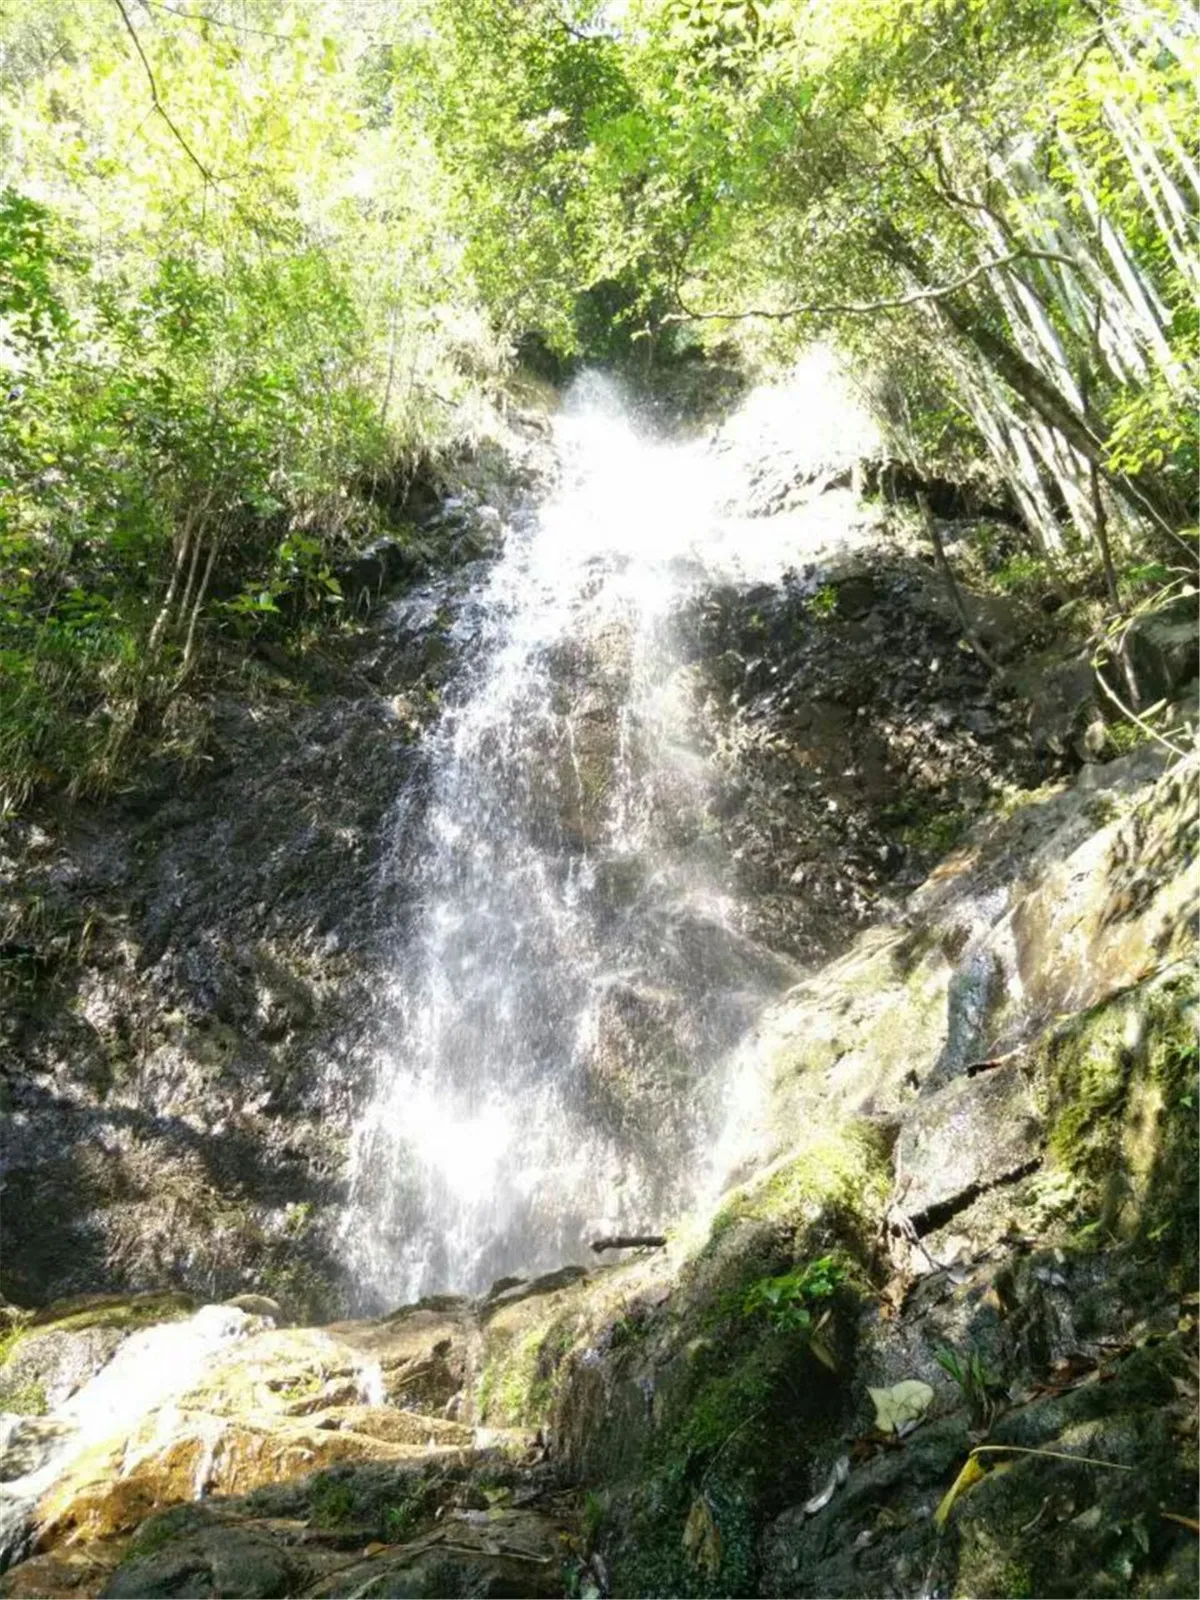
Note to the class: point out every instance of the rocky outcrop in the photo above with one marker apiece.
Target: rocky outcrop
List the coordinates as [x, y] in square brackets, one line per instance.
[189, 972]
[972, 1173]
[855, 737]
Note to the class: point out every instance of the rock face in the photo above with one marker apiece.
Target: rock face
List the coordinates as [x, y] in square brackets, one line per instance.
[989, 1190]
[196, 974]
[964, 1148]
[971, 1135]
[190, 971]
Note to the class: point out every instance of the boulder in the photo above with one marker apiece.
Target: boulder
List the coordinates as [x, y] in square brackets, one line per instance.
[258, 1305]
[220, 1558]
[1162, 650]
[1063, 706]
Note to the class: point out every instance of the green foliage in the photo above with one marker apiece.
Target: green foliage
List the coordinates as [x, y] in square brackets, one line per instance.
[1020, 571]
[707, 161]
[592, 1518]
[788, 1301]
[28, 1400]
[11, 1337]
[976, 1383]
[256, 268]
[33, 312]
[822, 604]
[401, 1521]
[332, 1500]
[224, 327]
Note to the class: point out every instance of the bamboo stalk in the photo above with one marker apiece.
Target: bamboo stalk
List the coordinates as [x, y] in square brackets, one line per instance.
[168, 600]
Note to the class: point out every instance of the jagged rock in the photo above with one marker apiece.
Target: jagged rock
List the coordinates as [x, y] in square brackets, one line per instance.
[974, 1133]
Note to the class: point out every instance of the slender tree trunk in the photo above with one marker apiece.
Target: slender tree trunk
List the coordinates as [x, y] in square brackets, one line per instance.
[956, 599]
[197, 604]
[1042, 397]
[385, 403]
[185, 599]
[168, 600]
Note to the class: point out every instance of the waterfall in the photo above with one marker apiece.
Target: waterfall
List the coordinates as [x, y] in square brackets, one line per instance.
[573, 980]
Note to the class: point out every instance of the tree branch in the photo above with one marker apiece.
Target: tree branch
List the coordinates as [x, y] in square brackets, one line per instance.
[858, 308]
[155, 98]
[217, 22]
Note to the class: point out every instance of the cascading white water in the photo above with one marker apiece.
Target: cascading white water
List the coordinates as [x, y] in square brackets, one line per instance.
[576, 979]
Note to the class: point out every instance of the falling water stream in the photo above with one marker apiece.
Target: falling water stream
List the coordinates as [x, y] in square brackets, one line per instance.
[566, 1005]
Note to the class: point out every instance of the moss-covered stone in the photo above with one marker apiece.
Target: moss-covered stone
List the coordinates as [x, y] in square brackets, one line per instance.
[1119, 1090]
[842, 1175]
[524, 1347]
[126, 1312]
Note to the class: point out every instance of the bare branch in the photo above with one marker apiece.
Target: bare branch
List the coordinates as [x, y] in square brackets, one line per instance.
[156, 99]
[1135, 719]
[858, 308]
[216, 22]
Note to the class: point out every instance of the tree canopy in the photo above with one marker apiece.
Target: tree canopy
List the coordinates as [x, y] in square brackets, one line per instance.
[258, 260]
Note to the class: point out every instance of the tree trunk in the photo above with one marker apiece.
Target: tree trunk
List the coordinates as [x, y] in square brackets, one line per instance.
[1042, 397]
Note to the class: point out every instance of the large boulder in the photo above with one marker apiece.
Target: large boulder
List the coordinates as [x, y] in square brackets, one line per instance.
[1162, 650]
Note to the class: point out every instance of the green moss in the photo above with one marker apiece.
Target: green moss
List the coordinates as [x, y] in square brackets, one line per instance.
[922, 823]
[739, 1416]
[303, 1387]
[591, 1518]
[521, 1373]
[1010, 800]
[29, 1400]
[845, 1172]
[332, 1502]
[651, 1560]
[1118, 1087]
[10, 1338]
[300, 1286]
[375, 1499]
[124, 1312]
[163, 1527]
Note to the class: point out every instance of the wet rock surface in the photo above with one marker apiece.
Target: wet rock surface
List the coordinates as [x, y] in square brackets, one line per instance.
[857, 736]
[966, 1156]
[191, 969]
[969, 1136]
[1018, 1237]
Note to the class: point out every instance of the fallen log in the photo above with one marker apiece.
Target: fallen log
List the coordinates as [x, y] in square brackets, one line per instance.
[654, 1241]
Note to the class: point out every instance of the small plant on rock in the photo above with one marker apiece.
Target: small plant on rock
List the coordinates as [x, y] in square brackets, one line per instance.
[791, 1301]
[979, 1386]
[823, 603]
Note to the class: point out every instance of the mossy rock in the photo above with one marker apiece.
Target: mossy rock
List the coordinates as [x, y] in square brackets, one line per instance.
[45, 1356]
[1118, 1087]
[710, 1412]
[123, 1311]
[842, 1177]
[524, 1351]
